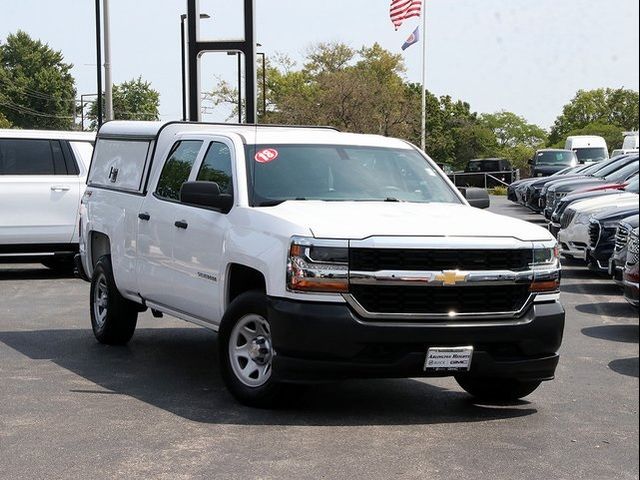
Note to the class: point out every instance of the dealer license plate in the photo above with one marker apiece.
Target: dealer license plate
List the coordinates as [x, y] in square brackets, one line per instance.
[448, 359]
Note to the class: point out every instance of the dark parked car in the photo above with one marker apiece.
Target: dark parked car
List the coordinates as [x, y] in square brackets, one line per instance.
[549, 161]
[488, 165]
[631, 275]
[619, 257]
[633, 186]
[602, 236]
[533, 197]
[617, 172]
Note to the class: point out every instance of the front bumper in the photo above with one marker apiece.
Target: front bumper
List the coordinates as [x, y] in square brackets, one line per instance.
[317, 341]
[574, 241]
[631, 290]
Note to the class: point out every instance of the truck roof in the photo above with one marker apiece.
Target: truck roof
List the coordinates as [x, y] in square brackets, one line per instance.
[250, 134]
[47, 134]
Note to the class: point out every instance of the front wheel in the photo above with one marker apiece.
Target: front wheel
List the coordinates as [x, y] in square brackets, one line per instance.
[246, 352]
[497, 389]
[113, 317]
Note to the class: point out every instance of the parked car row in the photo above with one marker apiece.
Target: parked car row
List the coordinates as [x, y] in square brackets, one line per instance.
[593, 212]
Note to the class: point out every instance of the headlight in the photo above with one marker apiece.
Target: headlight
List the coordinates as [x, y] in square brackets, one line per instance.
[318, 265]
[582, 219]
[546, 270]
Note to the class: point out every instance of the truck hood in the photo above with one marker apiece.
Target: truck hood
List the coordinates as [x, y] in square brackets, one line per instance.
[359, 220]
[619, 200]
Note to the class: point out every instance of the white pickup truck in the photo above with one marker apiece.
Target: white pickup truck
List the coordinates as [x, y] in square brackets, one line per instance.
[316, 255]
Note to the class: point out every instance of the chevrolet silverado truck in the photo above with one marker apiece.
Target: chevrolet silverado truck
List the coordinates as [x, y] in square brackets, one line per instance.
[316, 255]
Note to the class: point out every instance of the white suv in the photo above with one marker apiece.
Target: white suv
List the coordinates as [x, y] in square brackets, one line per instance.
[42, 178]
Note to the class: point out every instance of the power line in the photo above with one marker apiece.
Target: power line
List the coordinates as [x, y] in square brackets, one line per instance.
[28, 111]
[36, 94]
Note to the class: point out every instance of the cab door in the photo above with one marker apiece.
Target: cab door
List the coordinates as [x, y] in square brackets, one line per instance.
[157, 281]
[200, 241]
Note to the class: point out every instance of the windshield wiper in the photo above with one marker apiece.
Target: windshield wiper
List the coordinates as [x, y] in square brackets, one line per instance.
[392, 199]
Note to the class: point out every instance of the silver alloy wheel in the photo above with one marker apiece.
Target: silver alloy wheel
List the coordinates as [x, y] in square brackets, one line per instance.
[251, 351]
[100, 300]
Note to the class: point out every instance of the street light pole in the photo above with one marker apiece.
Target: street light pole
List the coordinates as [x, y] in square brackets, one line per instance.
[264, 83]
[108, 83]
[99, 62]
[183, 17]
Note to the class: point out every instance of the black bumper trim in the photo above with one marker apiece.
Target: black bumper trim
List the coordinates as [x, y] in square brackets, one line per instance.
[318, 341]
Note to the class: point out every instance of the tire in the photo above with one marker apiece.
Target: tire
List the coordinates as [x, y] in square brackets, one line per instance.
[113, 317]
[247, 372]
[497, 389]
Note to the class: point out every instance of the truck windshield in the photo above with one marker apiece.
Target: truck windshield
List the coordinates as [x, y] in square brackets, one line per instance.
[590, 154]
[555, 158]
[277, 173]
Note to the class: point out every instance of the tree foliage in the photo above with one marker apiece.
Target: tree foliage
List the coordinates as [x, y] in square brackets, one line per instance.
[4, 123]
[36, 86]
[603, 106]
[132, 100]
[365, 91]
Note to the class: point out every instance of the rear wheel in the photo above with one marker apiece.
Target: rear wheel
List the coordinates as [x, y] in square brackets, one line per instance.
[246, 352]
[113, 317]
[497, 389]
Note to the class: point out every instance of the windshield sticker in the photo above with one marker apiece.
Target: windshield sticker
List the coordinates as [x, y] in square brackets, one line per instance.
[267, 155]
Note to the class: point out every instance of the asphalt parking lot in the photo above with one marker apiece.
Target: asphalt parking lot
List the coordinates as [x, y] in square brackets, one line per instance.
[71, 408]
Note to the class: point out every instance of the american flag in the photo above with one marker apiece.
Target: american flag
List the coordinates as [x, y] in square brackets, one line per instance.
[404, 9]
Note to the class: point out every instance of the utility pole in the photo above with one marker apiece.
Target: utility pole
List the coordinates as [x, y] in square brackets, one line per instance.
[99, 62]
[108, 83]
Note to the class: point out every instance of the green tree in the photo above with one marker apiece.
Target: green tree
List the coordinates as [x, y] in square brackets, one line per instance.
[604, 106]
[36, 86]
[612, 134]
[4, 123]
[517, 139]
[132, 100]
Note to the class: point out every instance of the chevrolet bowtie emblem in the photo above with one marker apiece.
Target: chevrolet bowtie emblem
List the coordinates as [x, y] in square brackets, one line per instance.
[452, 277]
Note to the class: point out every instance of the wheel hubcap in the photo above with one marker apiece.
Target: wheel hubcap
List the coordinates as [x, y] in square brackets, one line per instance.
[100, 301]
[251, 351]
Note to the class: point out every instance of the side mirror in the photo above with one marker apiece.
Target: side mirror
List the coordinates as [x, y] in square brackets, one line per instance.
[207, 195]
[477, 197]
[530, 162]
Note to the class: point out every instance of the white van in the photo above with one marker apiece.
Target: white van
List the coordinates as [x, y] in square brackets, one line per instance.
[630, 141]
[588, 148]
[42, 178]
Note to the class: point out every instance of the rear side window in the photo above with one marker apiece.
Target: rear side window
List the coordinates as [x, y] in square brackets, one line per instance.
[216, 167]
[177, 168]
[119, 164]
[27, 157]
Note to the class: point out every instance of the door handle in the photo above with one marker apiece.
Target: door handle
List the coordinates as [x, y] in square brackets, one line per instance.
[60, 188]
[181, 224]
[144, 216]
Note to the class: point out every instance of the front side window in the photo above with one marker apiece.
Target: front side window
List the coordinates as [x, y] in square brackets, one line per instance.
[26, 157]
[278, 173]
[177, 168]
[216, 167]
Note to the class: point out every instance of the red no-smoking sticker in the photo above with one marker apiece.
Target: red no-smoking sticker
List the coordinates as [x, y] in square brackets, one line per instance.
[267, 155]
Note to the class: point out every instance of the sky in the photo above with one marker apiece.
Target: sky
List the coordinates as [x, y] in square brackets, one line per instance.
[525, 56]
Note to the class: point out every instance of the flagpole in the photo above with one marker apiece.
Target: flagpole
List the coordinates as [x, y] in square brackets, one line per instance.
[423, 137]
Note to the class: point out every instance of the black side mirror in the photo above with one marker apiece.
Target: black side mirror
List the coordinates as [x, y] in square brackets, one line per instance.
[207, 195]
[530, 162]
[477, 197]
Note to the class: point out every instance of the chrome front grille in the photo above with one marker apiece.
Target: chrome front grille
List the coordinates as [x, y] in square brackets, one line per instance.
[622, 236]
[567, 218]
[594, 233]
[632, 249]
